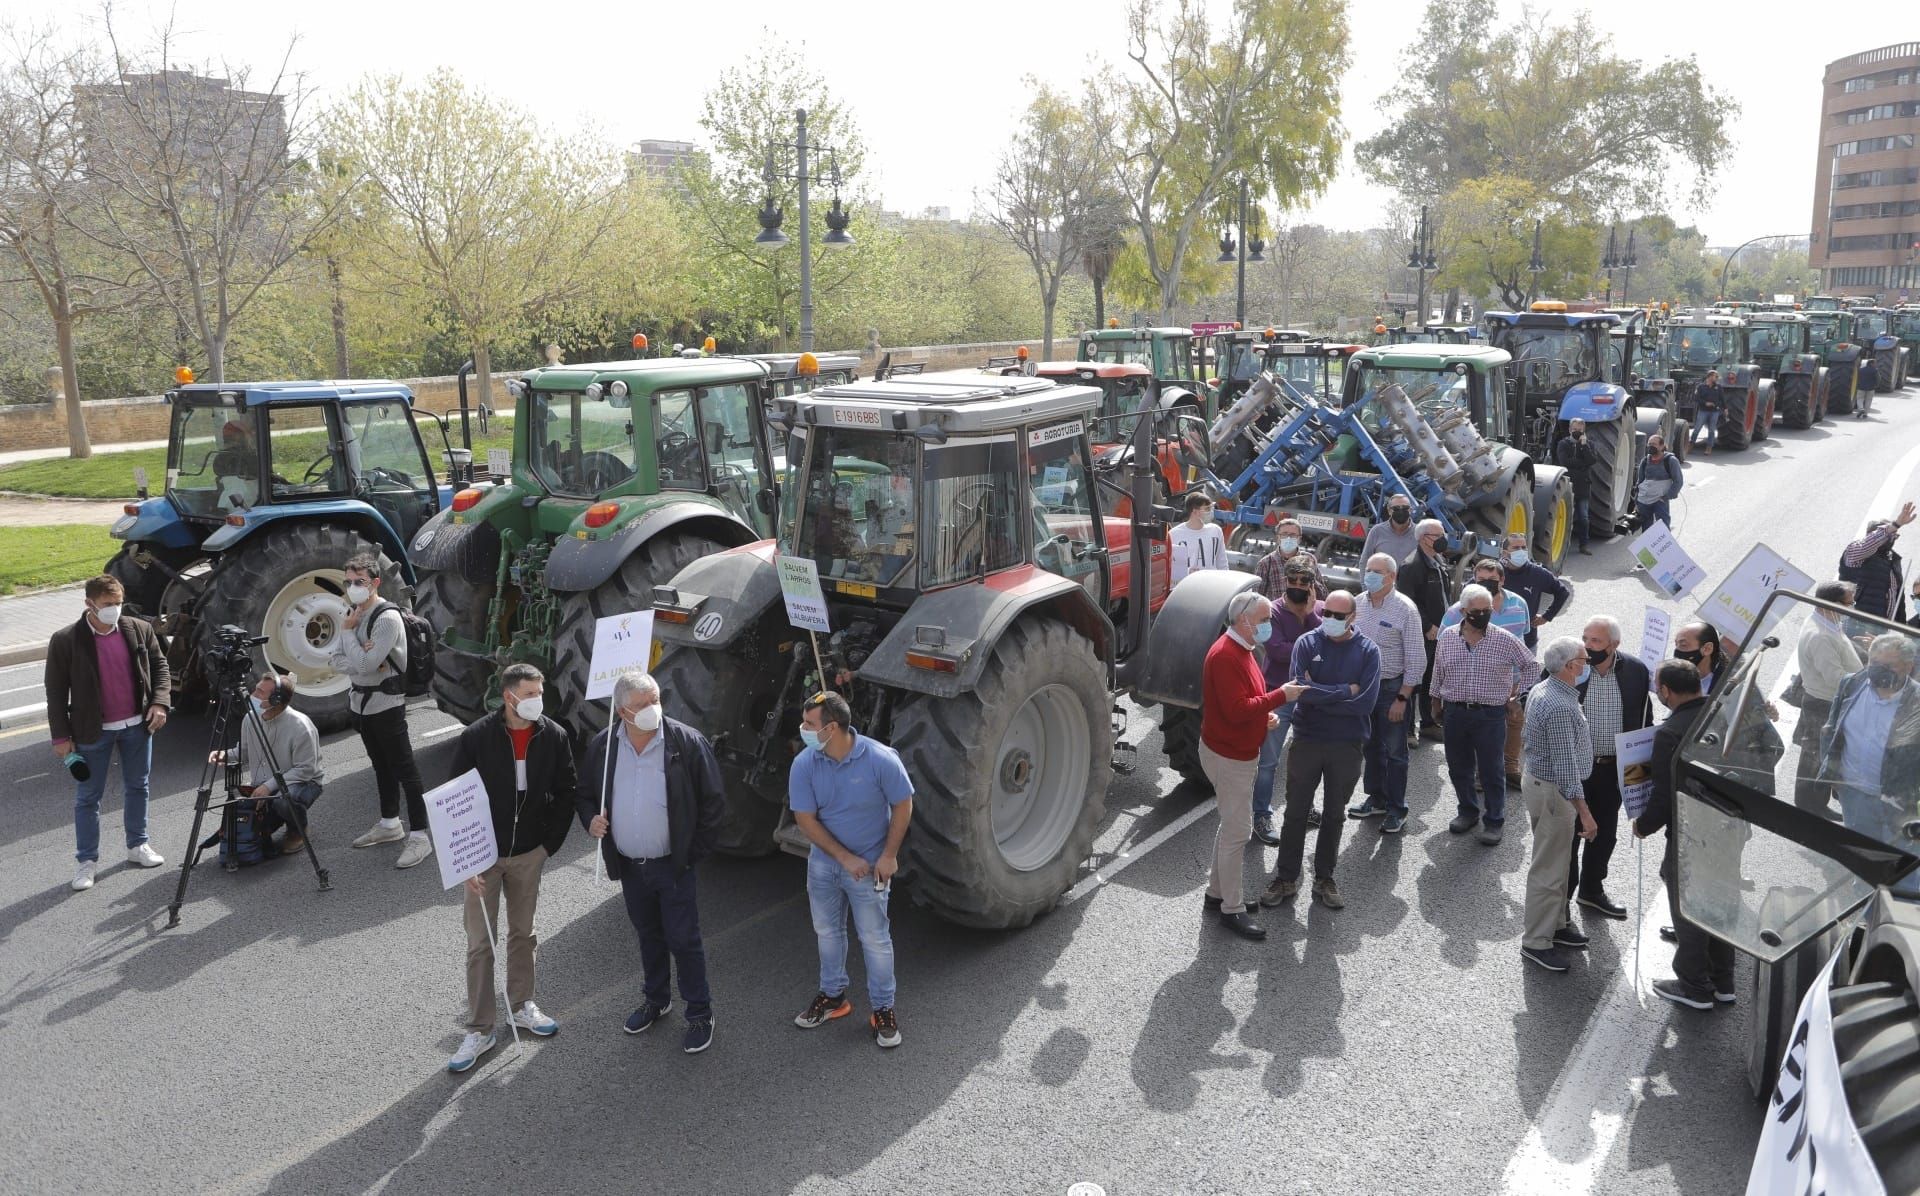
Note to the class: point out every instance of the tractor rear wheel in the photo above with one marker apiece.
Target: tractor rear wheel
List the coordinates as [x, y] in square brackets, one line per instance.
[1180, 743]
[725, 696]
[1609, 496]
[286, 583]
[1510, 515]
[1736, 420]
[1886, 365]
[1822, 393]
[1553, 529]
[1795, 398]
[1843, 393]
[462, 681]
[1763, 409]
[629, 589]
[1012, 778]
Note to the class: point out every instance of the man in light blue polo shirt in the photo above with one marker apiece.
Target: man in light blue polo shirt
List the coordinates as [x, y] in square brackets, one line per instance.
[852, 799]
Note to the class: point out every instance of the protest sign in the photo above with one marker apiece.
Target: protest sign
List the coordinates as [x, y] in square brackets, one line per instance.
[1735, 604]
[800, 590]
[1633, 765]
[1654, 629]
[461, 822]
[620, 642]
[1666, 562]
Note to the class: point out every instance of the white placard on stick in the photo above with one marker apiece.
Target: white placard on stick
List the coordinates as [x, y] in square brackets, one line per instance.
[461, 822]
[1633, 768]
[620, 642]
[1735, 604]
[1666, 562]
[800, 590]
[1654, 631]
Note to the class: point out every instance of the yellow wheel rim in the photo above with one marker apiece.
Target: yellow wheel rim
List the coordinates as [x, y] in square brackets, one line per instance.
[1520, 519]
[1557, 530]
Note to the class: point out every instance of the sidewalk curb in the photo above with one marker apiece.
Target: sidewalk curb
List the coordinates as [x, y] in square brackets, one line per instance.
[12, 654]
[23, 716]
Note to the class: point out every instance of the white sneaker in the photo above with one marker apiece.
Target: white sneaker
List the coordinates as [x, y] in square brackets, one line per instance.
[83, 875]
[530, 1019]
[379, 833]
[418, 848]
[472, 1047]
[144, 856]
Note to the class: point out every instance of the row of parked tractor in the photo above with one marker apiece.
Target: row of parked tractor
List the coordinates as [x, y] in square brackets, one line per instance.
[991, 545]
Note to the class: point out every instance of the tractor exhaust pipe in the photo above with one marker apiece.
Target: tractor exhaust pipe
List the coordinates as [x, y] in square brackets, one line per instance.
[460, 379]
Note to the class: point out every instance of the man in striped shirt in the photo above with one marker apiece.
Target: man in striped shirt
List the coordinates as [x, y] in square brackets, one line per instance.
[1392, 621]
[1510, 613]
[1477, 670]
[1559, 755]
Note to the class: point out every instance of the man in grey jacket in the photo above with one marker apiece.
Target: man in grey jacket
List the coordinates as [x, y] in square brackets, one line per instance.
[372, 651]
[291, 743]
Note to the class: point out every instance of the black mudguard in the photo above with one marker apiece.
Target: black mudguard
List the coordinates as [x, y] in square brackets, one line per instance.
[470, 549]
[1194, 616]
[728, 592]
[584, 564]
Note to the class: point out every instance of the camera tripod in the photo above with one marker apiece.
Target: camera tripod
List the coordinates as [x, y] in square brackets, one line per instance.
[234, 704]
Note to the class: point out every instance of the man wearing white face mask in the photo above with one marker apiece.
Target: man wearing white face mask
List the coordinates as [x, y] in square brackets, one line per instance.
[372, 651]
[525, 761]
[656, 812]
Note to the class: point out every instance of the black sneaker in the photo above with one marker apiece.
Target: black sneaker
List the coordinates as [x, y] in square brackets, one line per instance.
[1393, 824]
[886, 1031]
[699, 1035]
[642, 1019]
[1676, 991]
[1551, 958]
[1570, 938]
[823, 1009]
[1365, 809]
[1667, 935]
[1263, 830]
[1463, 823]
[1600, 903]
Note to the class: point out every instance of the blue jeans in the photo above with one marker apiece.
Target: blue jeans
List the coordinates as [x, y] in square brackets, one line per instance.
[1865, 812]
[280, 806]
[1582, 517]
[1655, 512]
[665, 912]
[1707, 422]
[1476, 742]
[1270, 749]
[831, 893]
[136, 761]
[1385, 780]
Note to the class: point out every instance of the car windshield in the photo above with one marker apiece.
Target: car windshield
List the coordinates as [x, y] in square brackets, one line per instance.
[582, 447]
[1702, 347]
[857, 522]
[213, 459]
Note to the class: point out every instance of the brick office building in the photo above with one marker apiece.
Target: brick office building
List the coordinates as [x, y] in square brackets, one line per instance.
[1866, 189]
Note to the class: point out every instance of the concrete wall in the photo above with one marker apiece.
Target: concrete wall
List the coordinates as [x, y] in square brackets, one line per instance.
[123, 421]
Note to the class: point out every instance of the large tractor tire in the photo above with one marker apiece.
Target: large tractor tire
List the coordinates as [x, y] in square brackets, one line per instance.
[1510, 515]
[1736, 420]
[1763, 409]
[462, 683]
[1886, 371]
[1795, 399]
[287, 584]
[1011, 779]
[725, 696]
[1876, 1041]
[145, 583]
[1553, 530]
[1844, 391]
[1610, 503]
[1180, 743]
[1822, 393]
[629, 589]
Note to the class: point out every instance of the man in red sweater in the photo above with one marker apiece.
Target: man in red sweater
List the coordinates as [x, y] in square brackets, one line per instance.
[1236, 712]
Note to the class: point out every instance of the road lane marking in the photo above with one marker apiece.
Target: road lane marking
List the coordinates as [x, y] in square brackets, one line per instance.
[1127, 859]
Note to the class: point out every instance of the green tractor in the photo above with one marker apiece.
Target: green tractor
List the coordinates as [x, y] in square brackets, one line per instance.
[1780, 345]
[1830, 333]
[623, 473]
[1697, 342]
[1906, 326]
[1168, 352]
[1883, 347]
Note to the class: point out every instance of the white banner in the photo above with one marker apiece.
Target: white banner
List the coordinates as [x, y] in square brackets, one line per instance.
[1654, 629]
[461, 823]
[1809, 1143]
[1666, 562]
[800, 590]
[1735, 604]
[1633, 768]
[620, 642]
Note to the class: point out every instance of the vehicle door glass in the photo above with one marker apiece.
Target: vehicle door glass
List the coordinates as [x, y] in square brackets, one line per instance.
[973, 485]
[213, 461]
[727, 415]
[303, 452]
[582, 447]
[857, 522]
[1060, 495]
[388, 465]
[676, 442]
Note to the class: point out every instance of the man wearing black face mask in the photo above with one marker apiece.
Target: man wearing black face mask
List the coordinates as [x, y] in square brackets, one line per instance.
[1396, 536]
[1698, 643]
[1512, 615]
[1615, 697]
[1870, 751]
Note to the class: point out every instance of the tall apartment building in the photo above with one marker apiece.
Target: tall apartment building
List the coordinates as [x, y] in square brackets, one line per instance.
[1866, 189]
[173, 115]
[658, 159]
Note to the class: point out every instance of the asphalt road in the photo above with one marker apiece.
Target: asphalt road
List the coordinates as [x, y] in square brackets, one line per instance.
[291, 1040]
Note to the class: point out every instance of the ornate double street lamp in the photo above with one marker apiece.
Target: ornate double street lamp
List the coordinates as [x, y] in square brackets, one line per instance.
[1618, 261]
[771, 217]
[1241, 251]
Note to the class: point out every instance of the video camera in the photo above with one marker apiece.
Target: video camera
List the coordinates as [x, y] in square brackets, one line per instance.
[229, 658]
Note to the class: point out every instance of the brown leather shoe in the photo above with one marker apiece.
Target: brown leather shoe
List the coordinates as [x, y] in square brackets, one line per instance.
[291, 842]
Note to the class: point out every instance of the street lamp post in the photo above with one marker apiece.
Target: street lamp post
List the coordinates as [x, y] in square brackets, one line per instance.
[1536, 266]
[1422, 261]
[1728, 264]
[1241, 252]
[1618, 261]
[771, 216]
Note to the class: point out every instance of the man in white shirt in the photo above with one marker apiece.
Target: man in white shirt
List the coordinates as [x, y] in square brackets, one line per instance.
[1198, 543]
[1392, 621]
[1826, 657]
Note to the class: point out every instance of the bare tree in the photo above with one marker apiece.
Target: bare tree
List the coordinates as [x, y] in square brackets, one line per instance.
[1052, 194]
[199, 181]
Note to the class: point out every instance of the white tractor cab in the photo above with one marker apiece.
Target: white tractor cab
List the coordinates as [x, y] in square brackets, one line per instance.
[1799, 844]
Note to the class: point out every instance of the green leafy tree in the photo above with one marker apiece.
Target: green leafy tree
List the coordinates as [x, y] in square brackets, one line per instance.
[1490, 225]
[1259, 100]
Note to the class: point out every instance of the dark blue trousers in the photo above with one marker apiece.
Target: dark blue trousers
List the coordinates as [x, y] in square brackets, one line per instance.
[1476, 743]
[661, 904]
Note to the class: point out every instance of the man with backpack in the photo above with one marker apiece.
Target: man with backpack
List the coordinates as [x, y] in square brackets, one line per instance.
[372, 650]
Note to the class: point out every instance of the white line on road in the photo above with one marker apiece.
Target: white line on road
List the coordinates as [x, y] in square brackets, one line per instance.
[1128, 858]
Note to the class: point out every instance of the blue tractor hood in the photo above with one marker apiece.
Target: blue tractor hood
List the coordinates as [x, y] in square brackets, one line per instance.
[1594, 402]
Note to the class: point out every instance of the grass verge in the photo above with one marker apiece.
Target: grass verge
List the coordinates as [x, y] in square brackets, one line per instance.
[32, 557]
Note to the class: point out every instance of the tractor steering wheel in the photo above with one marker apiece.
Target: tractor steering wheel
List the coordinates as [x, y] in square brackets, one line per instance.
[318, 469]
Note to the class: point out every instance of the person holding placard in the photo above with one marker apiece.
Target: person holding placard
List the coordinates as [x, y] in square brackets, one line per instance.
[663, 799]
[525, 760]
[1616, 698]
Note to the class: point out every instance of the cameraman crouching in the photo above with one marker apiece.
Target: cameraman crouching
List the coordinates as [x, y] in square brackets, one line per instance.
[292, 742]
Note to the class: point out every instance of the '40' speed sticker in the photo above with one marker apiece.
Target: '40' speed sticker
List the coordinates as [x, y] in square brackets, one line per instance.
[708, 626]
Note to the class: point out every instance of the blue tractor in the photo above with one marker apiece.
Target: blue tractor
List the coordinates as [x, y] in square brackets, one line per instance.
[270, 488]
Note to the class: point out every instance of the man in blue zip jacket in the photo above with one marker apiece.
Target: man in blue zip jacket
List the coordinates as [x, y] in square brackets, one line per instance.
[1341, 669]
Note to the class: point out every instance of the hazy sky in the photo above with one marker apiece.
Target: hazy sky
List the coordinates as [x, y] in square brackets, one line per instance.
[935, 88]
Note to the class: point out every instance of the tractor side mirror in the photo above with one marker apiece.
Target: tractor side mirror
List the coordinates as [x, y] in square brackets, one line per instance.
[763, 498]
[1195, 444]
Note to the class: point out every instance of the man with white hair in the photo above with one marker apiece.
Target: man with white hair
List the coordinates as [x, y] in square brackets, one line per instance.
[1870, 751]
[1559, 757]
[1423, 578]
[1616, 698]
[652, 795]
[1391, 620]
[1476, 672]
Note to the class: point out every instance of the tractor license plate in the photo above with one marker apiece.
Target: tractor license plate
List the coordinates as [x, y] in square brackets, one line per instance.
[855, 589]
[856, 417]
[1314, 521]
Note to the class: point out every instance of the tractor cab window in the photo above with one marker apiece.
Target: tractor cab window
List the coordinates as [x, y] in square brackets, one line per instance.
[1551, 358]
[857, 514]
[676, 442]
[1906, 325]
[1121, 352]
[973, 500]
[1433, 392]
[1239, 361]
[1060, 495]
[1128, 396]
[213, 457]
[1298, 368]
[1821, 334]
[1179, 359]
[304, 452]
[1768, 340]
[1699, 348]
[582, 447]
[727, 416]
[1871, 324]
[388, 466]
